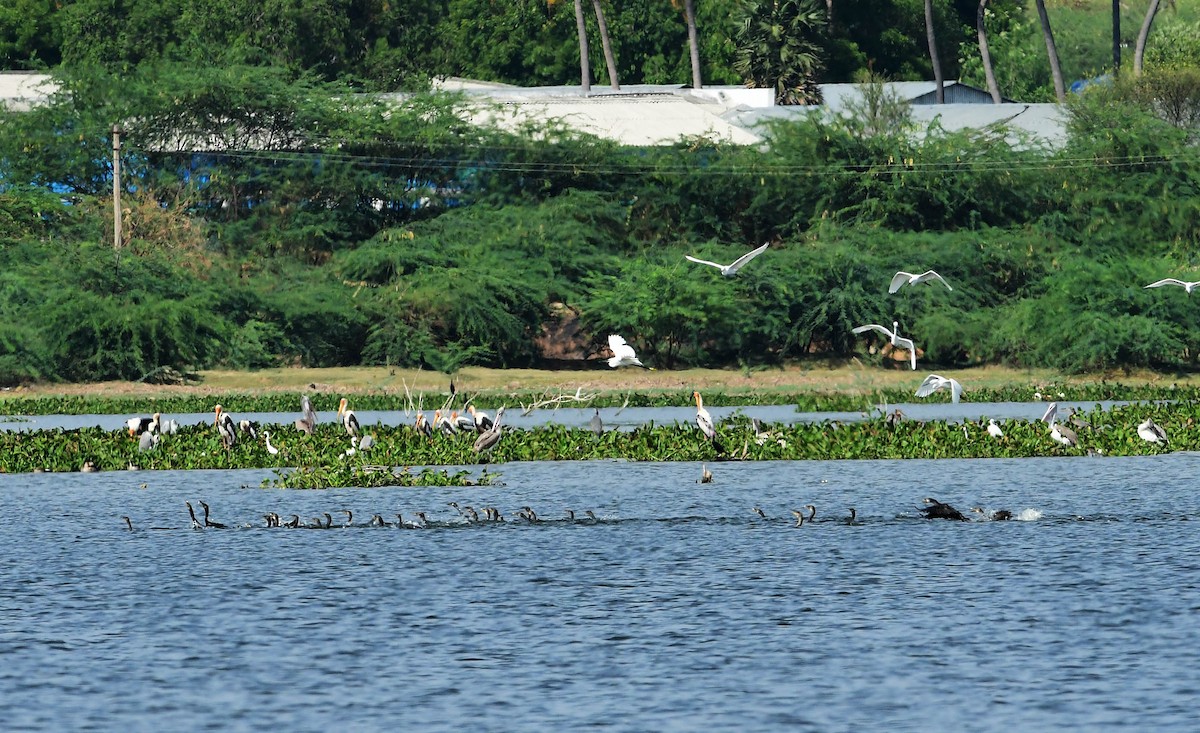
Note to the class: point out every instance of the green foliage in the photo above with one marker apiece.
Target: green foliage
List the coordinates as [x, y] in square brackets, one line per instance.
[777, 48]
[324, 463]
[669, 313]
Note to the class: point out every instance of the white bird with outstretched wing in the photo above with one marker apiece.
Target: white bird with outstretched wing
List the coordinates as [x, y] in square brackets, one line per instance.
[900, 279]
[934, 382]
[731, 269]
[894, 338]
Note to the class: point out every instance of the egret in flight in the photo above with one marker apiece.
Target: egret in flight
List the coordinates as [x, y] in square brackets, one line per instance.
[731, 269]
[623, 354]
[1188, 287]
[894, 337]
[935, 382]
[900, 279]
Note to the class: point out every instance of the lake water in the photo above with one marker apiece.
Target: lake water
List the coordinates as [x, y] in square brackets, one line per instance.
[625, 418]
[679, 610]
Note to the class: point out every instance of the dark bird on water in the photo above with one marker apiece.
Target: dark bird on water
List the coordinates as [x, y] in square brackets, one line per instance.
[1000, 515]
[207, 521]
[192, 513]
[935, 509]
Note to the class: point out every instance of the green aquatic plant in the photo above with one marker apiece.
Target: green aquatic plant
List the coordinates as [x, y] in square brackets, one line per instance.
[239, 402]
[323, 477]
[326, 459]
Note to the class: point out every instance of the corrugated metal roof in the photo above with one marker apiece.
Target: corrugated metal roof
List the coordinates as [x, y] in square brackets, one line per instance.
[644, 119]
[656, 114]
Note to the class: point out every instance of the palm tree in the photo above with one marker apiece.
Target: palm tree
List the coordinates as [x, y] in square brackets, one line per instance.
[933, 55]
[689, 9]
[1139, 49]
[775, 48]
[585, 71]
[1060, 89]
[988, 72]
[609, 59]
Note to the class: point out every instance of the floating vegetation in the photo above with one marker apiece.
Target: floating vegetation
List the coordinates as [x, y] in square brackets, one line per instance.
[804, 401]
[1112, 433]
[370, 477]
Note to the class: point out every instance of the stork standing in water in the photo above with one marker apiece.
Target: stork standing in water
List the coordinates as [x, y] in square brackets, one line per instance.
[483, 421]
[422, 426]
[226, 427]
[704, 421]
[348, 418]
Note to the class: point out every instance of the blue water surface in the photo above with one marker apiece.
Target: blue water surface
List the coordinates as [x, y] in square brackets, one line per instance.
[680, 609]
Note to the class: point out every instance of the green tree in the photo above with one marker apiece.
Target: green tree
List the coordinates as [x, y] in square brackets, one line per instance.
[777, 50]
[29, 35]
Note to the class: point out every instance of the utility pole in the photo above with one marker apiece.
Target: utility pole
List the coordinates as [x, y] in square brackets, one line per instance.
[116, 133]
[1116, 38]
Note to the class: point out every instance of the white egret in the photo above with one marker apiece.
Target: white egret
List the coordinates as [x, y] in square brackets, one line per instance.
[731, 269]
[900, 279]
[348, 418]
[994, 429]
[935, 382]
[894, 338]
[1152, 432]
[267, 439]
[623, 354]
[1187, 286]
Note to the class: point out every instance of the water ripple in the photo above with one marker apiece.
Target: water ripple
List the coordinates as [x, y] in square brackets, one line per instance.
[678, 608]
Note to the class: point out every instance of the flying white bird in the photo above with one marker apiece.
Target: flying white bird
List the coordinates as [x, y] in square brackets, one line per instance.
[994, 429]
[731, 269]
[1152, 432]
[900, 279]
[894, 338]
[1189, 287]
[623, 354]
[935, 382]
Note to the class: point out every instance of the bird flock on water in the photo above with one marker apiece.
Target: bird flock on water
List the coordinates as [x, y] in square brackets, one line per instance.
[467, 515]
[149, 430]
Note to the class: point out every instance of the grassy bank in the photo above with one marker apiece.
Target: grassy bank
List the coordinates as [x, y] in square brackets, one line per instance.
[850, 378]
